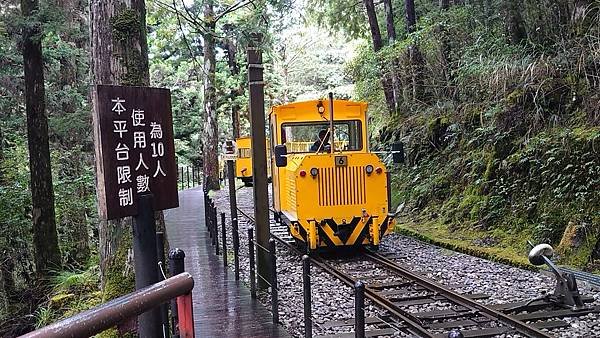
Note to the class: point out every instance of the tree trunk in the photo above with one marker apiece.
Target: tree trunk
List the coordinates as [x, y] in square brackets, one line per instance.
[411, 16]
[45, 239]
[211, 132]
[386, 82]
[234, 69]
[515, 26]
[119, 56]
[391, 31]
[444, 4]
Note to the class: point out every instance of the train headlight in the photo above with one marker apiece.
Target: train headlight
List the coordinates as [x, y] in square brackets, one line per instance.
[369, 169]
[302, 173]
[378, 170]
[314, 172]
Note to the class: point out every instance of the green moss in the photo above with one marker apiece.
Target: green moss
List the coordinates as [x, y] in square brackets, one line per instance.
[125, 25]
[116, 281]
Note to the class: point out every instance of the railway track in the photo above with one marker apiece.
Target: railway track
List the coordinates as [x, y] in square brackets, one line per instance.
[403, 294]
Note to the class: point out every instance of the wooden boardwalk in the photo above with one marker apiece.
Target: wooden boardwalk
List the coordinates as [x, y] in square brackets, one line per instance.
[222, 306]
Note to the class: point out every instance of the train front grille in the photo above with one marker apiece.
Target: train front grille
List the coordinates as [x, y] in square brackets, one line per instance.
[342, 186]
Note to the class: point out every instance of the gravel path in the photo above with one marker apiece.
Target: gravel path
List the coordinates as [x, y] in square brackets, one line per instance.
[333, 300]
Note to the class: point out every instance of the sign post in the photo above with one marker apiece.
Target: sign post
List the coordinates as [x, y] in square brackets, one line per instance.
[136, 172]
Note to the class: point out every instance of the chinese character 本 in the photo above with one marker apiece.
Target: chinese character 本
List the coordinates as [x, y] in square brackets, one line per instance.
[138, 117]
[123, 174]
[125, 197]
[158, 149]
[142, 183]
[156, 131]
[158, 170]
[141, 163]
[122, 152]
[120, 127]
[139, 140]
[118, 107]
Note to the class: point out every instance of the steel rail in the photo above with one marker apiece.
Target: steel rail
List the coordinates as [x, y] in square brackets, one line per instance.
[412, 323]
[457, 298]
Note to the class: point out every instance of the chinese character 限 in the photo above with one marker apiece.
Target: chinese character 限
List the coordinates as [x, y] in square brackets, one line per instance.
[123, 174]
[158, 149]
[141, 163]
[125, 197]
[138, 118]
[120, 127]
[118, 107]
[156, 131]
[139, 140]
[158, 170]
[122, 152]
[142, 183]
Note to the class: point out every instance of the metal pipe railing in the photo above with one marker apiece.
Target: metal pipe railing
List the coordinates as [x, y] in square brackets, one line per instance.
[109, 314]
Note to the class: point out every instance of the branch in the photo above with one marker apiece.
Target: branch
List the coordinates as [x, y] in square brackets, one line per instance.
[233, 8]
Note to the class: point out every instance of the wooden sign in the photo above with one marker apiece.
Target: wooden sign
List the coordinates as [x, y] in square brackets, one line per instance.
[135, 152]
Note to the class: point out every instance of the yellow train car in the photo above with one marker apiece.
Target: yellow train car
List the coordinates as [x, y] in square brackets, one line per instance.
[328, 197]
[243, 163]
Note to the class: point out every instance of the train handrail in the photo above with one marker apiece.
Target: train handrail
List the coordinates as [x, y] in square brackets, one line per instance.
[111, 313]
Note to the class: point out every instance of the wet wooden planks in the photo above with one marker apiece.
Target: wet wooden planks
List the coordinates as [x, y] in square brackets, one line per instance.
[222, 307]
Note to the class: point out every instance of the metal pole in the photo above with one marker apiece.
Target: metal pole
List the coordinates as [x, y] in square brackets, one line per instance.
[176, 266]
[259, 156]
[187, 169]
[251, 257]
[216, 229]
[224, 239]
[331, 126]
[181, 178]
[145, 259]
[234, 216]
[359, 310]
[307, 296]
[164, 308]
[274, 296]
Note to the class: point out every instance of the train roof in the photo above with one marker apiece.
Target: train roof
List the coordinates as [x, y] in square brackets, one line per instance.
[341, 109]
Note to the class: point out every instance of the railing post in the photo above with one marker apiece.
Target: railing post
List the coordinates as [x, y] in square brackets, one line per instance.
[359, 310]
[206, 205]
[307, 296]
[236, 247]
[216, 228]
[274, 296]
[252, 265]
[224, 239]
[176, 266]
[234, 218]
[186, 316]
[164, 308]
[187, 169]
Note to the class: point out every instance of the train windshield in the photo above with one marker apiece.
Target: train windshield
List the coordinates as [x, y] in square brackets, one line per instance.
[305, 137]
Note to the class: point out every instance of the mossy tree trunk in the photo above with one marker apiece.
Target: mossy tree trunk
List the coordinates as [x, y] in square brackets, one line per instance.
[45, 238]
[515, 26]
[414, 54]
[119, 56]
[211, 132]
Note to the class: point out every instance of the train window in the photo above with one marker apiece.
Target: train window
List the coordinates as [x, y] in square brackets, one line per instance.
[300, 137]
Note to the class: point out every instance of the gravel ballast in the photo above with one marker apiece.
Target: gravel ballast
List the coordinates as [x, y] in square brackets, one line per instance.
[333, 300]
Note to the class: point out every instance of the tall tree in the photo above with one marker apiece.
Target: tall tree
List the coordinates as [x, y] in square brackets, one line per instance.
[415, 57]
[211, 139]
[45, 238]
[411, 16]
[377, 45]
[515, 25]
[119, 56]
[391, 32]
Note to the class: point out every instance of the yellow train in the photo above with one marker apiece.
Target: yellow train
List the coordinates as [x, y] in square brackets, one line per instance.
[329, 197]
[243, 163]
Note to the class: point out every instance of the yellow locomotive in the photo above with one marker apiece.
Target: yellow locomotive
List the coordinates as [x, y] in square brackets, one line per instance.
[243, 163]
[328, 196]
